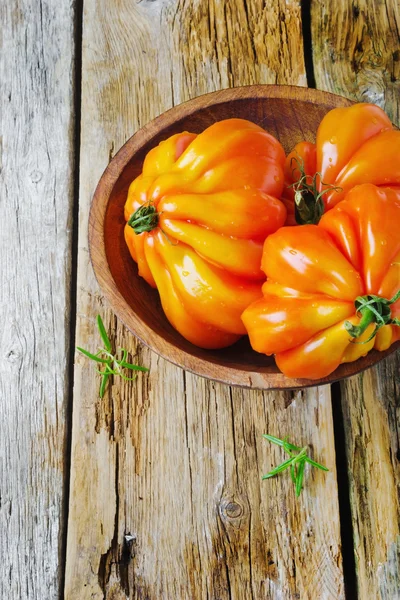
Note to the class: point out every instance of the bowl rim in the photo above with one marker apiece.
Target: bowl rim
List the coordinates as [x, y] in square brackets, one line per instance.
[150, 338]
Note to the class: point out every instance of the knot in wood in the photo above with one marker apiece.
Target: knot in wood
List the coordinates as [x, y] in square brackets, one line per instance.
[231, 509]
[375, 60]
[36, 176]
[13, 356]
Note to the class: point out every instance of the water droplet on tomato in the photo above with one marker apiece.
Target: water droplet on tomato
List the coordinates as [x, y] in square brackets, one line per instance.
[185, 273]
[330, 159]
[293, 252]
[277, 178]
[333, 139]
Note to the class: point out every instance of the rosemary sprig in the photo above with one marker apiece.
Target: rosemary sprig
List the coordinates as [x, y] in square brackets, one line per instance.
[112, 364]
[296, 462]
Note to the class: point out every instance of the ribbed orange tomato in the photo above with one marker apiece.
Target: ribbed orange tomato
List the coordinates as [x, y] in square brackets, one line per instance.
[333, 289]
[354, 145]
[197, 217]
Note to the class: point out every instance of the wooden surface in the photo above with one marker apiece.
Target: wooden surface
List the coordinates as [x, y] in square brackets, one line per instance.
[363, 63]
[36, 187]
[36, 183]
[176, 461]
[356, 51]
[163, 477]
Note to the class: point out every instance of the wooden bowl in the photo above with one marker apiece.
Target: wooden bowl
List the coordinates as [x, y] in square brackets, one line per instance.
[289, 113]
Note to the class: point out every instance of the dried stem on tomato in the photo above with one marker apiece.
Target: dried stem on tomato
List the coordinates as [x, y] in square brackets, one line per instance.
[145, 218]
[308, 204]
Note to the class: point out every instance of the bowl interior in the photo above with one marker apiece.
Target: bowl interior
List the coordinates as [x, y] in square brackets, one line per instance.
[291, 115]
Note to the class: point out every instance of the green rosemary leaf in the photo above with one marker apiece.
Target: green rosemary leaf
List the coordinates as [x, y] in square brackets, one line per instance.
[315, 464]
[299, 477]
[125, 378]
[132, 367]
[103, 384]
[283, 443]
[92, 356]
[293, 473]
[300, 456]
[296, 462]
[273, 439]
[110, 360]
[278, 469]
[103, 334]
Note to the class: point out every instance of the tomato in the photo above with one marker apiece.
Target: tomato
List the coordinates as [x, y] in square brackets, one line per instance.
[197, 217]
[327, 282]
[354, 145]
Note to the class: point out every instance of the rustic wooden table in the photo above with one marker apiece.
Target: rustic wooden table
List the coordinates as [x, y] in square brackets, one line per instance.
[155, 491]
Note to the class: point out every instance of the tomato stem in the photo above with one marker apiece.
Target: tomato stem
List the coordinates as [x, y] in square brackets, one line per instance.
[145, 218]
[308, 204]
[372, 309]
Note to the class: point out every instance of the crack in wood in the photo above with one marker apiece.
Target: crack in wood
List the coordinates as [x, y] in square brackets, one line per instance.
[119, 555]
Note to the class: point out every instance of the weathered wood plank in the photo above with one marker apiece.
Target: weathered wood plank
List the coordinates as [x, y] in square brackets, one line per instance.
[166, 498]
[36, 196]
[371, 407]
[356, 50]
[356, 53]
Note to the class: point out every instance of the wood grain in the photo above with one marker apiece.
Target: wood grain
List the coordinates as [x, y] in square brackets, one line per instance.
[166, 498]
[356, 50]
[371, 411]
[356, 53]
[36, 183]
